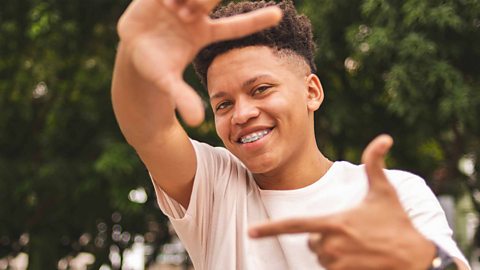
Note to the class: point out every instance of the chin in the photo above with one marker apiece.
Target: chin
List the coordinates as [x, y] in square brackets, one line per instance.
[258, 167]
[257, 163]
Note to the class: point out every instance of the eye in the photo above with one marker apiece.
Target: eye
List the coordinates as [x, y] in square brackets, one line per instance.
[223, 105]
[260, 89]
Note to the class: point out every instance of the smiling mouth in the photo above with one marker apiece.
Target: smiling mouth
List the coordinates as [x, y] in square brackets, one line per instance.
[253, 137]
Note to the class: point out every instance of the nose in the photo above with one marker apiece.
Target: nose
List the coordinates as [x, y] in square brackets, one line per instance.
[244, 110]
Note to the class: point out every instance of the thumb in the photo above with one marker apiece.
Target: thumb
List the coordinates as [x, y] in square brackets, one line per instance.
[244, 24]
[187, 102]
[374, 159]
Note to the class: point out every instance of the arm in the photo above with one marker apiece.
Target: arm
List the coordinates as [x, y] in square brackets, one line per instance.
[157, 42]
[377, 234]
[147, 119]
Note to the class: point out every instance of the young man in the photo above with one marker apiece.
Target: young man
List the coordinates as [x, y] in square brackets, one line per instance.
[264, 93]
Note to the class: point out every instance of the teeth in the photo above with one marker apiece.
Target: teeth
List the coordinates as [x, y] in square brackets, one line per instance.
[254, 136]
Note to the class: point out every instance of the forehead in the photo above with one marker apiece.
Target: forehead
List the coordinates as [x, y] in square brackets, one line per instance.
[232, 68]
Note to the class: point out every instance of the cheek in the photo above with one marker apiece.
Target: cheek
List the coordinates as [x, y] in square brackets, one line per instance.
[287, 105]
[221, 126]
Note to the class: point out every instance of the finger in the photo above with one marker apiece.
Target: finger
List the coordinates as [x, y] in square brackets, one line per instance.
[204, 6]
[180, 7]
[374, 159]
[188, 103]
[318, 244]
[295, 225]
[314, 240]
[325, 261]
[315, 244]
[189, 10]
[174, 5]
[244, 24]
[187, 14]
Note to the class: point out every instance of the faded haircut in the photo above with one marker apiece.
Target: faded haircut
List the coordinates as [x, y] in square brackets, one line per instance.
[293, 35]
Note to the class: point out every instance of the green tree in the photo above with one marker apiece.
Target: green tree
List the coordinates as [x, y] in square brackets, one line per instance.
[65, 170]
[408, 68]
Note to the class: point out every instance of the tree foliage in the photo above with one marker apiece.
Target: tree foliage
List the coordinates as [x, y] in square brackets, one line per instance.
[408, 68]
[65, 169]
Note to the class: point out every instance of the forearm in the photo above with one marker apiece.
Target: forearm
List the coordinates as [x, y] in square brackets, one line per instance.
[143, 112]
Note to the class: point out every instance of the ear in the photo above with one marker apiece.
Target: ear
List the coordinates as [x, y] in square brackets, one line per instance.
[315, 92]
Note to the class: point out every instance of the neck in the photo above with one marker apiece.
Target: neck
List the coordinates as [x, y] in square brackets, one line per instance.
[304, 170]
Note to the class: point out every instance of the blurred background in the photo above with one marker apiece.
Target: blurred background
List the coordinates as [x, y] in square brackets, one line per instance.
[73, 194]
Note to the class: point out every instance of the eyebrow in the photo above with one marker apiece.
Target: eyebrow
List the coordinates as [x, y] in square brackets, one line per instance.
[244, 85]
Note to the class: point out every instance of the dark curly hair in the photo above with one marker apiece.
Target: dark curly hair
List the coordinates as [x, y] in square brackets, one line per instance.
[292, 35]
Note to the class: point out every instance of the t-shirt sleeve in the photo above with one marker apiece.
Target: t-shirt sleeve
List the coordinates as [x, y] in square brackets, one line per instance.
[174, 210]
[192, 224]
[425, 211]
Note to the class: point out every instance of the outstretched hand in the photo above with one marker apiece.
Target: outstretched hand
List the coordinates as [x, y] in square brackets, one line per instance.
[161, 37]
[377, 234]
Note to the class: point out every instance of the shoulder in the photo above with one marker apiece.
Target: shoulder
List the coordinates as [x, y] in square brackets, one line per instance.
[213, 155]
[407, 184]
[398, 178]
[204, 149]
[218, 166]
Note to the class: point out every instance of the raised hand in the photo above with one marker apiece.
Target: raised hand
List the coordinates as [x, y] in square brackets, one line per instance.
[188, 10]
[159, 40]
[377, 234]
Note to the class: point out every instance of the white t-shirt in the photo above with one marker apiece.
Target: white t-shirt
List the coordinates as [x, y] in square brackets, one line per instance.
[225, 201]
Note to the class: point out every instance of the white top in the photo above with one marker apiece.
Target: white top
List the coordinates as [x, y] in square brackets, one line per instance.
[225, 201]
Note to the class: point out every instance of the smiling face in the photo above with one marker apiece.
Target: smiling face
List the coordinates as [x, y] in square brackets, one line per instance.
[263, 104]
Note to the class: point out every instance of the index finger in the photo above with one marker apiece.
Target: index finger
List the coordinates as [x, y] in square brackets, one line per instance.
[204, 6]
[188, 103]
[294, 226]
[245, 24]
[188, 10]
